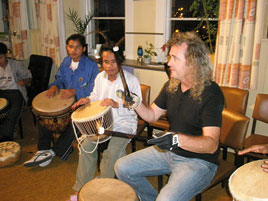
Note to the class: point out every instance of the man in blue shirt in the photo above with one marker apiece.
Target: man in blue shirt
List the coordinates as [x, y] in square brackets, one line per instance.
[75, 77]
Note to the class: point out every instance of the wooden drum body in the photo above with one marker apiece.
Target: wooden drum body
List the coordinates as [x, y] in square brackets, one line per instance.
[4, 107]
[9, 153]
[107, 189]
[53, 113]
[249, 182]
[92, 119]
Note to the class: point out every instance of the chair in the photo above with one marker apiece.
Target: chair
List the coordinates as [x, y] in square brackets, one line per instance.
[235, 100]
[40, 67]
[260, 113]
[145, 90]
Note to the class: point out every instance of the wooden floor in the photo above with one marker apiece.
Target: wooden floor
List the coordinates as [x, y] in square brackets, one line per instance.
[54, 182]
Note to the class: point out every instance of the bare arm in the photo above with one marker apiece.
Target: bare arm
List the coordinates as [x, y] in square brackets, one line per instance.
[261, 149]
[149, 113]
[207, 143]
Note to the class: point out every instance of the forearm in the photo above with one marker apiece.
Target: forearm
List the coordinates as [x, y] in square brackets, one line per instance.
[198, 144]
[146, 113]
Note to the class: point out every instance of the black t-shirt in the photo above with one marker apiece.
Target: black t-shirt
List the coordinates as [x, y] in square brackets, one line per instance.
[189, 116]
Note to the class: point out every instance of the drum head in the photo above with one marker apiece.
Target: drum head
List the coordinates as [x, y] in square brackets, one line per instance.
[9, 153]
[90, 111]
[107, 189]
[42, 105]
[249, 182]
[3, 103]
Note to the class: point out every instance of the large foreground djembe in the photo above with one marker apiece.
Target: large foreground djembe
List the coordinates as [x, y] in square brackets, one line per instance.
[249, 183]
[107, 189]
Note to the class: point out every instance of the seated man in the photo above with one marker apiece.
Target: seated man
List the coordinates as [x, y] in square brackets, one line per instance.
[13, 79]
[189, 153]
[107, 88]
[75, 77]
[260, 149]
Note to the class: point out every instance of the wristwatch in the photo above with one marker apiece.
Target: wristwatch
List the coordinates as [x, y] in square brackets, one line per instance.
[175, 141]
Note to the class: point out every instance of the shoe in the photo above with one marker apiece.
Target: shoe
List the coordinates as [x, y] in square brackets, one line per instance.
[40, 157]
[46, 163]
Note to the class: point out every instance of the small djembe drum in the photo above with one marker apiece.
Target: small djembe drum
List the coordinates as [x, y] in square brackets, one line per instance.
[92, 120]
[9, 153]
[53, 113]
[4, 108]
[107, 189]
[249, 183]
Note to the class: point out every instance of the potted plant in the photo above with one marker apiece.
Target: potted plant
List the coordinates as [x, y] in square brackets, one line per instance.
[79, 23]
[149, 52]
[207, 10]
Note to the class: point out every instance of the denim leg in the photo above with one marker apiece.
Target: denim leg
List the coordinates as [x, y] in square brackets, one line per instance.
[135, 167]
[116, 149]
[15, 101]
[189, 177]
[86, 165]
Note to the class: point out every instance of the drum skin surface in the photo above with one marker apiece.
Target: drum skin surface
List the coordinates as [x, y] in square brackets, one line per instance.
[4, 108]
[249, 182]
[42, 105]
[89, 111]
[3, 103]
[107, 189]
[9, 153]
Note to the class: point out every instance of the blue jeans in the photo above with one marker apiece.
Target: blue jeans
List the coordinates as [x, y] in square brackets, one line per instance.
[188, 176]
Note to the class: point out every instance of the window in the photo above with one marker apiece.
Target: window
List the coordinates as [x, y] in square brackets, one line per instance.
[190, 16]
[109, 18]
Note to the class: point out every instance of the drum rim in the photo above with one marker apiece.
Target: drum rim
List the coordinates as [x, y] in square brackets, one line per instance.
[82, 120]
[230, 182]
[6, 105]
[39, 111]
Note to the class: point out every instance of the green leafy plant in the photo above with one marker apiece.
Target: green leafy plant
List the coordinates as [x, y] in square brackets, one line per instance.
[149, 50]
[79, 23]
[206, 10]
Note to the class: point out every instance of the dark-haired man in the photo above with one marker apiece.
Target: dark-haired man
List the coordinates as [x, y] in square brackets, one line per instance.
[13, 79]
[75, 77]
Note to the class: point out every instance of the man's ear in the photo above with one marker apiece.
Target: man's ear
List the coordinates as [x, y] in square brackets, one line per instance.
[84, 49]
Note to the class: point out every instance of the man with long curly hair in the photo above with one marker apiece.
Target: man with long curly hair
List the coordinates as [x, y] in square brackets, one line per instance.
[189, 151]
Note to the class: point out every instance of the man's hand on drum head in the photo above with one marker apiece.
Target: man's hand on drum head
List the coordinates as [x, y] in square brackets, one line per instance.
[110, 102]
[52, 91]
[67, 93]
[81, 101]
[260, 149]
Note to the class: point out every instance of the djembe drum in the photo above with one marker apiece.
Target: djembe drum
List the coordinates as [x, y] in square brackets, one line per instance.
[92, 119]
[107, 189]
[249, 183]
[9, 153]
[53, 113]
[3, 109]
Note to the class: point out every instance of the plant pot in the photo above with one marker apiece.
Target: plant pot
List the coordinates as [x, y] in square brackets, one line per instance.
[147, 60]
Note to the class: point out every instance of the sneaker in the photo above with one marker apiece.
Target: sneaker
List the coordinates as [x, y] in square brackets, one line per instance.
[40, 157]
[46, 163]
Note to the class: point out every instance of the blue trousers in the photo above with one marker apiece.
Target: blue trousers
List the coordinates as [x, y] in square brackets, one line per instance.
[188, 176]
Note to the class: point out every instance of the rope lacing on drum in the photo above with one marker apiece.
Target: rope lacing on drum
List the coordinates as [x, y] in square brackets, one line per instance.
[81, 139]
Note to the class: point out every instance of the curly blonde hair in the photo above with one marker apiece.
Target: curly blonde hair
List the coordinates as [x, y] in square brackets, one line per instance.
[199, 67]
